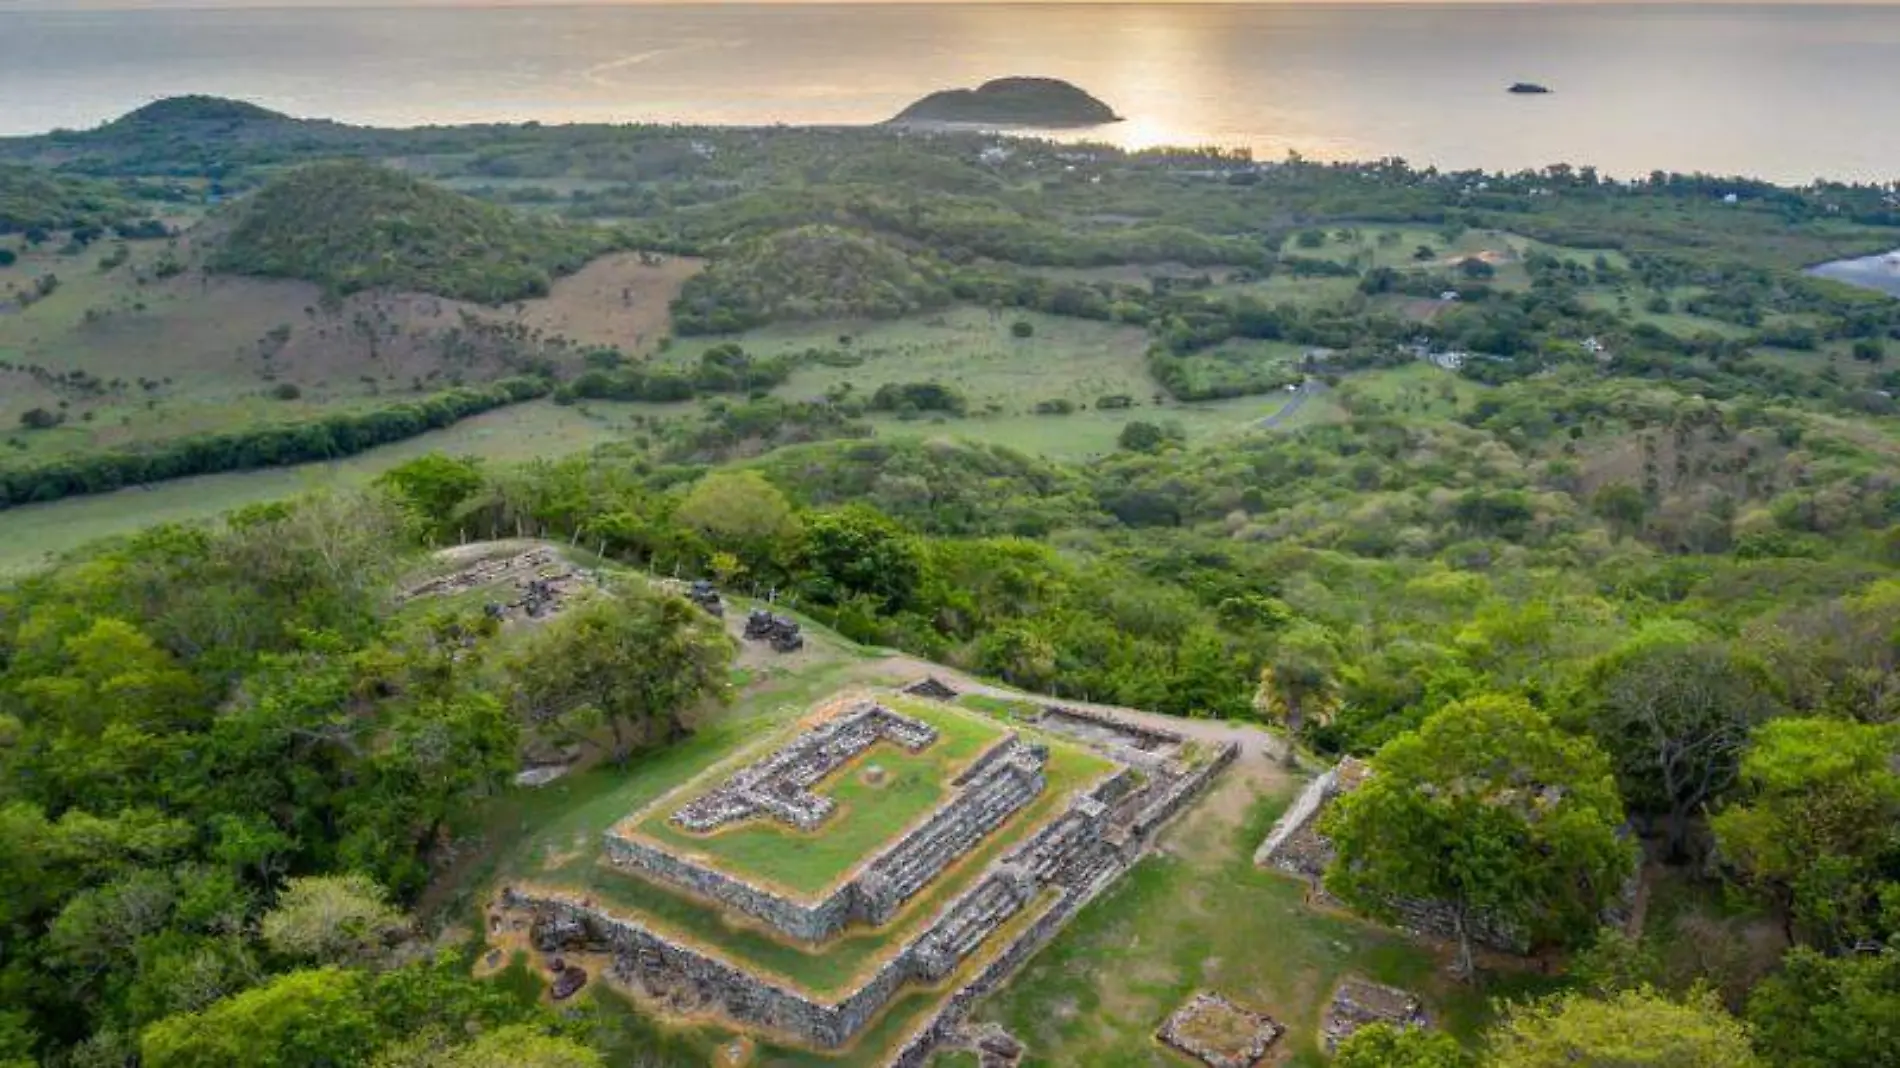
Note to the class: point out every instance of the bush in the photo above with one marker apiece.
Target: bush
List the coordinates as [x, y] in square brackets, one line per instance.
[918, 397]
[1059, 406]
[8, 257]
[1022, 328]
[286, 391]
[40, 419]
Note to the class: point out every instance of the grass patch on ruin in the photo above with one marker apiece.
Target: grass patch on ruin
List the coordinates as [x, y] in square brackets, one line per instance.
[1199, 916]
[868, 817]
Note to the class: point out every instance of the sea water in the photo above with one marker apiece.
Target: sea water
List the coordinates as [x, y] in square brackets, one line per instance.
[1789, 93]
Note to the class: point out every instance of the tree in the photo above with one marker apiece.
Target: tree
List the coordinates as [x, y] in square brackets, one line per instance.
[1300, 683]
[1141, 436]
[1870, 351]
[300, 1019]
[332, 919]
[435, 485]
[1631, 1029]
[1674, 711]
[1022, 328]
[858, 551]
[40, 419]
[1385, 1046]
[1830, 1012]
[1818, 828]
[631, 658]
[8, 257]
[739, 511]
[1490, 810]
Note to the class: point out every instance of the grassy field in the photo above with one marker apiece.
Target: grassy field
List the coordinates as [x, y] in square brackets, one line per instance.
[195, 352]
[1417, 391]
[1199, 916]
[870, 814]
[29, 534]
[970, 349]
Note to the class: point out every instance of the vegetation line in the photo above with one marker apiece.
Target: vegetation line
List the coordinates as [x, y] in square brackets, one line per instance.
[282, 445]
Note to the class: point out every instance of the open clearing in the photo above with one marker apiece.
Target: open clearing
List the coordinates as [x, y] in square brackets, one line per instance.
[28, 534]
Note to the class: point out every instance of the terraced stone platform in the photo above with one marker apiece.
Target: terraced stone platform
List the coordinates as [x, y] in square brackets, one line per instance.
[1050, 814]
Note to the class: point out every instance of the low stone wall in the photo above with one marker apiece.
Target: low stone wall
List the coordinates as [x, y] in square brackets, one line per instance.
[780, 784]
[1134, 735]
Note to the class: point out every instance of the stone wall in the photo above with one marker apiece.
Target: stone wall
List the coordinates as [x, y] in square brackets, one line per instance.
[811, 922]
[780, 785]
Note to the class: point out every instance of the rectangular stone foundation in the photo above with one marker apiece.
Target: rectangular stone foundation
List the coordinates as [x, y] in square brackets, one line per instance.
[999, 784]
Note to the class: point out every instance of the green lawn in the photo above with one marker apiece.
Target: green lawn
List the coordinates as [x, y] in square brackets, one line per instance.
[868, 817]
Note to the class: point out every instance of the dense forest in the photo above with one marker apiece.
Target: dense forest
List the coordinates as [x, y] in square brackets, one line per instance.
[1594, 562]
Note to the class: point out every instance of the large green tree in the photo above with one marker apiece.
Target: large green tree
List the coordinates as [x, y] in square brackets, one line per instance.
[1674, 711]
[631, 659]
[1492, 811]
[1830, 1012]
[1817, 828]
[1631, 1029]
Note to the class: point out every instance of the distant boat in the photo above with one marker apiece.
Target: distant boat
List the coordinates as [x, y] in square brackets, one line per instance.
[1528, 88]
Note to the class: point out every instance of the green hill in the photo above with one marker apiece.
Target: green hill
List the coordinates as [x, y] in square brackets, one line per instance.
[33, 199]
[810, 272]
[350, 226]
[180, 110]
[1012, 102]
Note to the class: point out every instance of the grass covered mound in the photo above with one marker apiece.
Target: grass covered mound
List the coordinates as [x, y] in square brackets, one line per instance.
[33, 199]
[1013, 102]
[810, 272]
[193, 109]
[350, 226]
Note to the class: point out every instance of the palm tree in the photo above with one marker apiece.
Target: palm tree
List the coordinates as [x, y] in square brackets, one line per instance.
[1300, 682]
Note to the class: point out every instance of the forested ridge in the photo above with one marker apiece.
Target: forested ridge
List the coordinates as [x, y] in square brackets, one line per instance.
[1592, 558]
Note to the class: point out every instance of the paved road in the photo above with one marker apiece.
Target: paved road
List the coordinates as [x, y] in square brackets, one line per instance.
[1312, 387]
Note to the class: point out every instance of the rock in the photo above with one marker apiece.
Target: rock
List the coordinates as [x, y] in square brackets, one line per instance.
[568, 979]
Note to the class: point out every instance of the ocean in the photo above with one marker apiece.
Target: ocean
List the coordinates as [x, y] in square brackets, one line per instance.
[1790, 93]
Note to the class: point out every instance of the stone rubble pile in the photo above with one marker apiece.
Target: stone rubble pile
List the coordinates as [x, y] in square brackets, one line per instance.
[1359, 1002]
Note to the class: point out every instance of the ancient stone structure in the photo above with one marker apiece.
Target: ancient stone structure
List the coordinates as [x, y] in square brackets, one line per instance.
[1358, 1002]
[779, 786]
[932, 687]
[975, 939]
[706, 596]
[761, 625]
[1219, 1033]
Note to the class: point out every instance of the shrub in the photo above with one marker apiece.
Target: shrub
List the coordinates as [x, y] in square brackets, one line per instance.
[1022, 328]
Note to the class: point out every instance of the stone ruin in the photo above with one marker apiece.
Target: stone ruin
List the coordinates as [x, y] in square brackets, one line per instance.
[1218, 1033]
[782, 632]
[1031, 891]
[1005, 778]
[543, 583]
[1359, 1002]
[780, 785]
[931, 687]
[706, 595]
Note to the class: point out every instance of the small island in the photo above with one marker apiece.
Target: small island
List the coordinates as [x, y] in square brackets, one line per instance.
[1528, 89]
[1042, 102]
